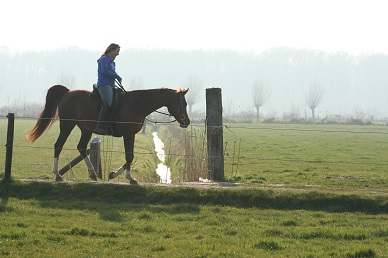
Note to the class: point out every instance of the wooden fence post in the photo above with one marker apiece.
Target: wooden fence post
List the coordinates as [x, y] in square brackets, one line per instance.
[214, 129]
[95, 156]
[9, 146]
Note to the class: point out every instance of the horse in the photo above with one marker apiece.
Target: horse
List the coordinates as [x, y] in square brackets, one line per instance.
[78, 108]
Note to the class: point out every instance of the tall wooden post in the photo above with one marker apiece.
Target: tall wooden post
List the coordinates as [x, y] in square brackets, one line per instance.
[95, 156]
[9, 146]
[215, 135]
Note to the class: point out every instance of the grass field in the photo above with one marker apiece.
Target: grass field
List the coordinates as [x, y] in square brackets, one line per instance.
[334, 157]
[42, 219]
[317, 156]
[302, 191]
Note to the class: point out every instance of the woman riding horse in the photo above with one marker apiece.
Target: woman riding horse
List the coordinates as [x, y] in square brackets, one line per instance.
[76, 108]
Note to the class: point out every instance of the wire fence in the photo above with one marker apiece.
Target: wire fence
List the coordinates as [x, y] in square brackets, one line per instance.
[250, 150]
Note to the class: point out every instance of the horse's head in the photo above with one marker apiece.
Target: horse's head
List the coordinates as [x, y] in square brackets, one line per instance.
[178, 109]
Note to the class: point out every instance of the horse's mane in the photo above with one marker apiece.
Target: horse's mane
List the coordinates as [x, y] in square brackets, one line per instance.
[146, 95]
[180, 89]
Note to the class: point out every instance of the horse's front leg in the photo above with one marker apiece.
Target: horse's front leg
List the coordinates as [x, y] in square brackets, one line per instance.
[128, 144]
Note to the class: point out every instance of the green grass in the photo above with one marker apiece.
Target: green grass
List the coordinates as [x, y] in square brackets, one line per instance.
[322, 157]
[62, 219]
[302, 191]
[319, 156]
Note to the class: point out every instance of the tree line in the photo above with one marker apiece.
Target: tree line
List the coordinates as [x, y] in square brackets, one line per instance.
[275, 83]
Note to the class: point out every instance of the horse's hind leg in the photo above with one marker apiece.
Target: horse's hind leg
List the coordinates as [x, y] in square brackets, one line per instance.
[82, 148]
[66, 126]
[113, 175]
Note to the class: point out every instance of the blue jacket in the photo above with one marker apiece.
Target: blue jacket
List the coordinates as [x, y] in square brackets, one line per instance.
[106, 71]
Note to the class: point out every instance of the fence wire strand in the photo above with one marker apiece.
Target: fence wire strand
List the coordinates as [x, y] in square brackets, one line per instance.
[230, 128]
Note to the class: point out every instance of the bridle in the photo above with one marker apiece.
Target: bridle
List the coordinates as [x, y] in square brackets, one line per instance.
[182, 117]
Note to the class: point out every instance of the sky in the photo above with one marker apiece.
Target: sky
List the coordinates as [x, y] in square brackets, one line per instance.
[351, 26]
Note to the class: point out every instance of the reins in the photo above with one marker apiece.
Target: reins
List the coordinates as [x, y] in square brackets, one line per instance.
[169, 115]
[163, 113]
[120, 85]
[156, 122]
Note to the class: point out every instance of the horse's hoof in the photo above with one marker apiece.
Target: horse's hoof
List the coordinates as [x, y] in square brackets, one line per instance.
[58, 179]
[93, 177]
[133, 182]
[111, 175]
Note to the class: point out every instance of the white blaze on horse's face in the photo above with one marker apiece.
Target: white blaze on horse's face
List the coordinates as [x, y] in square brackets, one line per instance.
[179, 109]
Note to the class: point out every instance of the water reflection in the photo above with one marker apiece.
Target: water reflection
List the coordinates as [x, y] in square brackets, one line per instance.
[162, 170]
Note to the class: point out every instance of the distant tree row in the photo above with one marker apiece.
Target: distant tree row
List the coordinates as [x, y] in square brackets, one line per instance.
[273, 81]
[260, 95]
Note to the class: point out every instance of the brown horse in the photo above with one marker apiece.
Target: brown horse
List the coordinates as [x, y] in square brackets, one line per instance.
[77, 108]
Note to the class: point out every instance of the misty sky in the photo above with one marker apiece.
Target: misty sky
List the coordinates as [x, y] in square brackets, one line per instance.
[351, 26]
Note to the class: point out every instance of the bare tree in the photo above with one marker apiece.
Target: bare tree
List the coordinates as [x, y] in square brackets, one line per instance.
[195, 86]
[260, 95]
[135, 83]
[228, 109]
[313, 97]
[67, 79]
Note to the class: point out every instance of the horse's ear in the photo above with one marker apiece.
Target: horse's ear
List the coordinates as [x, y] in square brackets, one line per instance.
[185, 91]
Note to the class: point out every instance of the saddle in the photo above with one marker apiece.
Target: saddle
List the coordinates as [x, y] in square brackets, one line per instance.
[114, 108]
[116, 98]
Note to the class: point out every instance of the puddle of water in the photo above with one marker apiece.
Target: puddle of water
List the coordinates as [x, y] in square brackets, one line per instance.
[162, 170]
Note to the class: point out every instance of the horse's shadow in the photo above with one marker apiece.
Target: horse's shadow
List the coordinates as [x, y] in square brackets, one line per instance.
[111, 201]
[3, 203]
[115, 202]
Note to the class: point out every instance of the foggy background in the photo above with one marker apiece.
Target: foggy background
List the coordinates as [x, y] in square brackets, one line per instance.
[351, 85]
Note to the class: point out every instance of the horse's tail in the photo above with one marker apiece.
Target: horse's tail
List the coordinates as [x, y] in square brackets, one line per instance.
[49, 113]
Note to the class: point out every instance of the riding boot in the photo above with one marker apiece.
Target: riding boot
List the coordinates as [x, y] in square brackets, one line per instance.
[102, 120]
